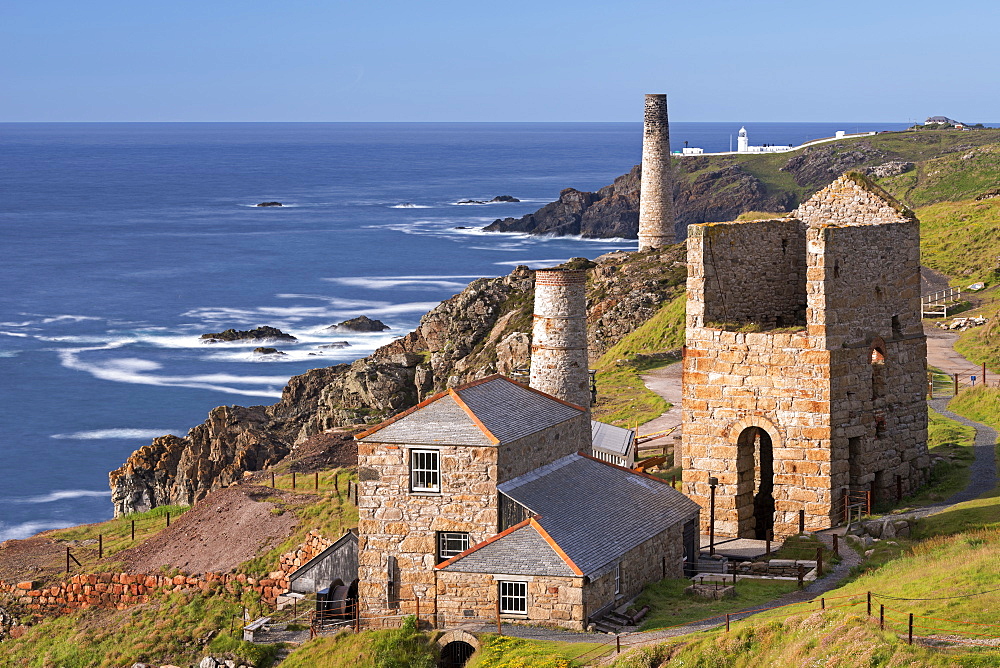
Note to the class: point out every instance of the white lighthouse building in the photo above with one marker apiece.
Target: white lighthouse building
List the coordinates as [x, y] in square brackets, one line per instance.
[742, 142]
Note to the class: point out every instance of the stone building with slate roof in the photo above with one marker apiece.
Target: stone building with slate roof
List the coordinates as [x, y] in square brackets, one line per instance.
[480, 494]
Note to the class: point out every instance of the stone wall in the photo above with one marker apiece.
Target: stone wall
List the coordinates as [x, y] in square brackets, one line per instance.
[656, 192]
[559, 362]
[663, 556]
[551, 600]
[749, 273]
[400, 526]
[789, 421]
[123, 590]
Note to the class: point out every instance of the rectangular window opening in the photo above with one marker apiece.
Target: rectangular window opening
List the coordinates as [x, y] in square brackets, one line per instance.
[618, 578]
[451, 543]
[425, 471]
[513, 597]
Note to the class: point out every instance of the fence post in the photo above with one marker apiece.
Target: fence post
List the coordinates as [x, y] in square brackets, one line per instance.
[819, 562]
[663, 568]
[836, 544]
[727, 622]
[133, 530]
[67, 560]
[802, 521]
[869, 604]
[822, 603]
[881, 616]
[767, 542]
[802, 573]
[317, 480]
[293, 479]
[618, 644]
[499, 628]
[956, 384]
[911, 629]
[272, 479]
[168, 519]
[417, 615]
[100, 546]
[847, 507]
[868, 501]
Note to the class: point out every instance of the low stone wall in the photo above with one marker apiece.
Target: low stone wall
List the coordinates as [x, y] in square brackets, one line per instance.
[123, 590]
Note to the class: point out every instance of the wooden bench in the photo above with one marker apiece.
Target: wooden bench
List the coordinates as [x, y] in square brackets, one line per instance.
[255, 626]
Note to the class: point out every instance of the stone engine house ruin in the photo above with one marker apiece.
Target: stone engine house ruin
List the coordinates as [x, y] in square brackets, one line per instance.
[805, 361]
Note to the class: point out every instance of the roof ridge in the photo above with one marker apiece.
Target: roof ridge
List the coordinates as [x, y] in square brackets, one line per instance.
[480, 545]
[627, 470]
[457, 398]
[554, 545]
[500, 376]
[400, 415]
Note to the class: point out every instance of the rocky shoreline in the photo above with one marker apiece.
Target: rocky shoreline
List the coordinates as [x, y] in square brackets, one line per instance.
[484, 329]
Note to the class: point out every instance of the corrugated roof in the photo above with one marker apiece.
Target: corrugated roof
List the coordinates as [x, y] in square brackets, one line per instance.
[596, 512]
[485, 412]
[523, 551]
[611, 438]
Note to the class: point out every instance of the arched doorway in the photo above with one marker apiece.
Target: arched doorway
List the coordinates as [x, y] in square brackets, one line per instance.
[455, 654]
[755, 483]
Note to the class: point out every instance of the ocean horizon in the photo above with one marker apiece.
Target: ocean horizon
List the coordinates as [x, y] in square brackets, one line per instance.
[125, 242]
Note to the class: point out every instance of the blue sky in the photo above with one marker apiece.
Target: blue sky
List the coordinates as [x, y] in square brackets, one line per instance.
[546, 60]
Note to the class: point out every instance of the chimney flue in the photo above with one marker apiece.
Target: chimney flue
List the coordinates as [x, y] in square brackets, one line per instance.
[559, 363]
[656, 192]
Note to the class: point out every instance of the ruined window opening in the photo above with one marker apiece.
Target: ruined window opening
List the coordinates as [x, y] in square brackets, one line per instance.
[878, 293]
[878, 373]
[513, 597]
[897, 328]
[451, 543]
[854, 456]
[755, 483]
[836, 268]
[784, 245]
[425, 471]
[880, 424]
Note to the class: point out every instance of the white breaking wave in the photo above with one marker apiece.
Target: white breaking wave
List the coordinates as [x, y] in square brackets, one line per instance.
[138, 371]
[61, 495]
[408, 282]
[98, 434]
[21, 335]
[18, 531]
[410, 206]
[535, 264]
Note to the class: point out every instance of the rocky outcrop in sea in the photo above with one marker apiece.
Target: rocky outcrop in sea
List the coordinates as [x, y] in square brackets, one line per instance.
[262, 334]
[484, 329]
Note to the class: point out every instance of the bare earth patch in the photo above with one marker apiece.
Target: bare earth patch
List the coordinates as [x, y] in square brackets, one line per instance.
[226, 528]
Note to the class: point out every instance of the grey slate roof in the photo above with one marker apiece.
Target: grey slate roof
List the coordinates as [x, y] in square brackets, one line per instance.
[611, 438]
[511, 411]
[521, 552]
[507, 410]
[596, 512]
[442, 422]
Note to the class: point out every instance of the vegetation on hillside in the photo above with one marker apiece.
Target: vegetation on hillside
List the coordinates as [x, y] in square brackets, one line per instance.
[962, 239]
[178, 628]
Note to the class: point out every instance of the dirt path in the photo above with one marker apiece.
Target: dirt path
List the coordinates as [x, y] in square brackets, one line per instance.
[941, 354]
[666, 382]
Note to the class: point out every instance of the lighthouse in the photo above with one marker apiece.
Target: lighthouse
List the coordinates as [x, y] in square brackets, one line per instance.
[741, 141]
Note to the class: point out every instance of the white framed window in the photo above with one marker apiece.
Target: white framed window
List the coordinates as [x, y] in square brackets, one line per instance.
[451, 543]
[425, 471]
[513, 597]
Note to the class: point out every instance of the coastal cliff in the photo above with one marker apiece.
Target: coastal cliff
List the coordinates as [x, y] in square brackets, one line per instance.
[712, 188]
[484, 329]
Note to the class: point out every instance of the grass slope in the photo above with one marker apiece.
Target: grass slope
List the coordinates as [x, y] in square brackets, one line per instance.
[621, 396]
[962, 239]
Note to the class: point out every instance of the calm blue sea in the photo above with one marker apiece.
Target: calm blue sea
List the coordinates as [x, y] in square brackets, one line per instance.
[123, 243]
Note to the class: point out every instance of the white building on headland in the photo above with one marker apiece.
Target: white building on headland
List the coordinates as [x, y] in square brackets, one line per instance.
[743, 145]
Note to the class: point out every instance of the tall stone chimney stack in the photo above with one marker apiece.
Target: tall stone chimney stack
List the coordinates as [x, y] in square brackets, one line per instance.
[656, 194]
[559, 364]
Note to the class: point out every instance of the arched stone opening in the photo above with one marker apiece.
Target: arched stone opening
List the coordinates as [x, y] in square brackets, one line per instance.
[755, 483]
[456, 648]
[877, 362]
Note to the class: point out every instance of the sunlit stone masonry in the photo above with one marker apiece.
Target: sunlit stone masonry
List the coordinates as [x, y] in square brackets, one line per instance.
[656, 189]
[805, 362]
